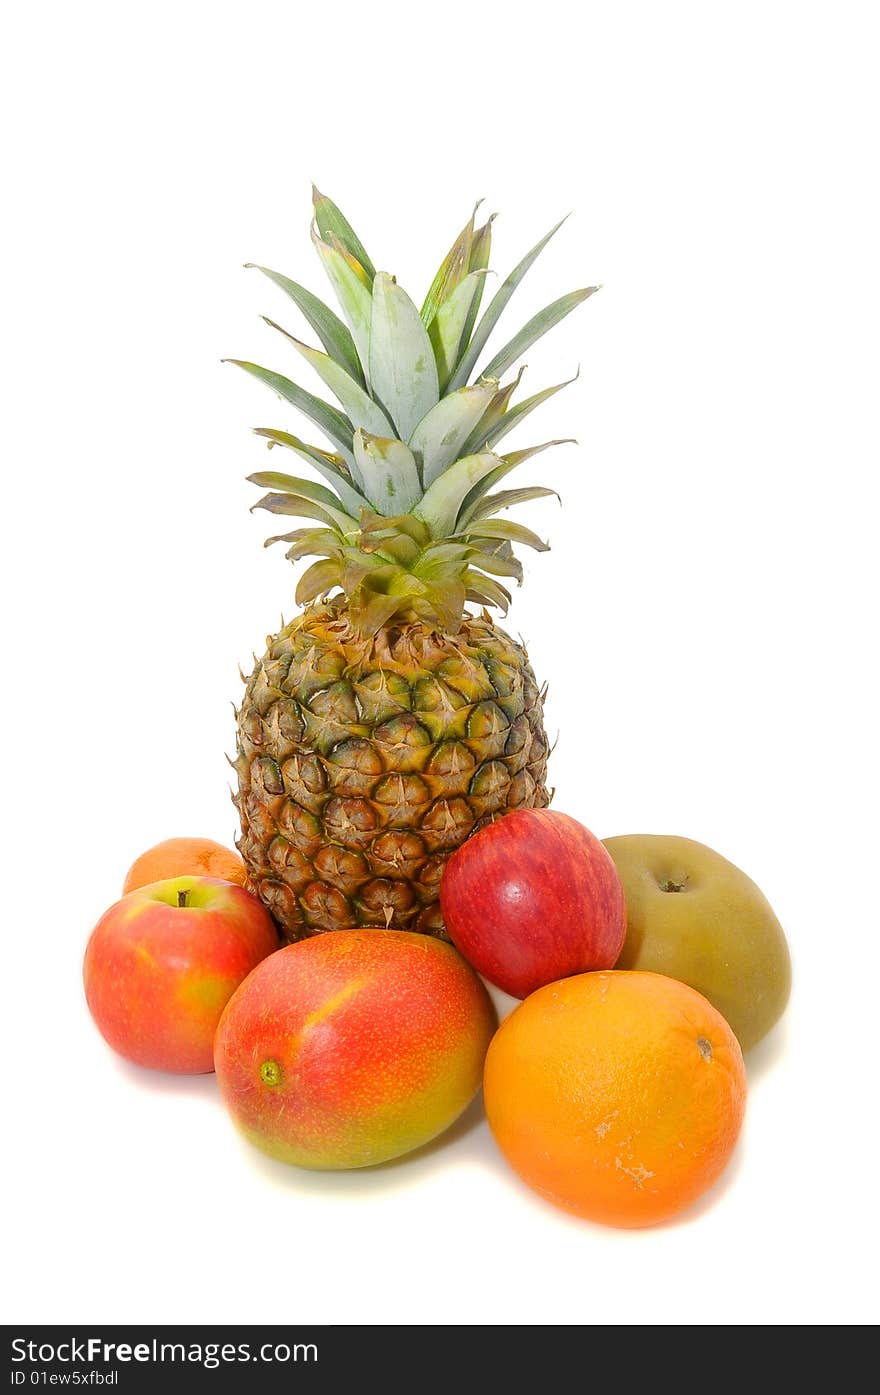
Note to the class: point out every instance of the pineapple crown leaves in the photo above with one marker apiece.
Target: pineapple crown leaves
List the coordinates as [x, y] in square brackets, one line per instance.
[406, 520]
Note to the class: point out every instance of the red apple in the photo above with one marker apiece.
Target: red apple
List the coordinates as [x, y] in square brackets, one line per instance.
[164, 961]
[532, 898]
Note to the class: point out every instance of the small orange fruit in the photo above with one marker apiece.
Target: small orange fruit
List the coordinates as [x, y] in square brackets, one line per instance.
[185, 857]
[616, 1095]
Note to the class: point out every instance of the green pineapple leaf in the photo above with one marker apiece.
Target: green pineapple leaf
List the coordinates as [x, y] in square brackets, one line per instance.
[452, 271]
[389, 473]
[444, 498]
[309, 542]
[494, 310]
[402, 371]
[318, 579]
[332, 333]
[400, 549]
[493, 414]
[375, 570]
[518, 413]
[446, 330]
[444, 606]
[485, 591]
[536, 327]
[283, 485]
[331, 467]
[292, 484]
[331, 421]
[497, 564]
[301, 506]
[375, 525]
[439, 437]
[332, 223]
[353, 294]
[436, 559]
[508, 530]
[481, 249]
[492, 504]
[370, 610]
[505, 464]
[358, 405]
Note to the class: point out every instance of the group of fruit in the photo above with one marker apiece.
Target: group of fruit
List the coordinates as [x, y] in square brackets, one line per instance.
[391, 766]
[617, 1093]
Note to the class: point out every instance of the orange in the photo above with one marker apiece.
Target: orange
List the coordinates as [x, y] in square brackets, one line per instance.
[185, 857]
[616, 1095]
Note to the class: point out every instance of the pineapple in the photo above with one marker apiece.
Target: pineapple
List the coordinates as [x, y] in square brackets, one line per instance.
[387, 722]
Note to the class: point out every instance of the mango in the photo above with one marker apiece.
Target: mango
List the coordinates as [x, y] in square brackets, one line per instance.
[353, 1047]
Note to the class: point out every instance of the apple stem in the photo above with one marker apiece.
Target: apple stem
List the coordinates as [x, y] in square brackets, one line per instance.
[182, 898]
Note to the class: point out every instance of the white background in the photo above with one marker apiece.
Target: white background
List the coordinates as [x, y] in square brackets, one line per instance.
[705, 619]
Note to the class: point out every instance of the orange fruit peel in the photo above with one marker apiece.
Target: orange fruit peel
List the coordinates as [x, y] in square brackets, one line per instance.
[617, 1095]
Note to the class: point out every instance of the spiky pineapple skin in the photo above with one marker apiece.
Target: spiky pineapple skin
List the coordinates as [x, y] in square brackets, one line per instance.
[363, 763]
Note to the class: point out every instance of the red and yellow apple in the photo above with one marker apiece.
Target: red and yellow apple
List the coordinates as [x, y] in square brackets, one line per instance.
[162, 963]
[532, 898]
[353, 1047]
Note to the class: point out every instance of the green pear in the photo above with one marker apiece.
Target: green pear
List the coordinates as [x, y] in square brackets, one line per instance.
[694, 916]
